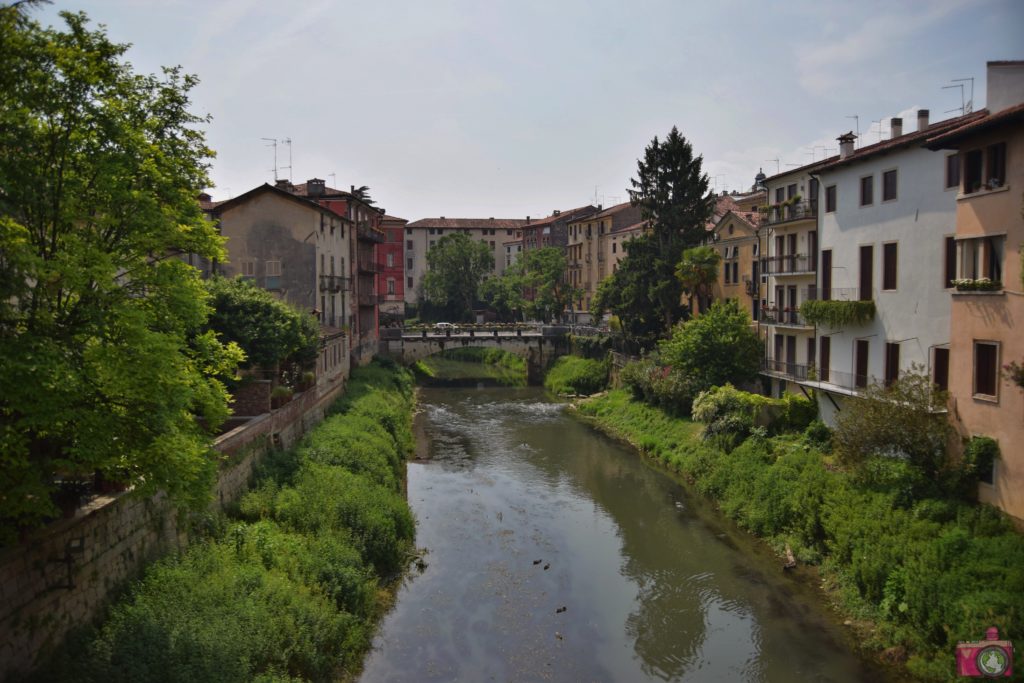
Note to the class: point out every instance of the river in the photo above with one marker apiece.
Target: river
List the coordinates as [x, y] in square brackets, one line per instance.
[556, 554]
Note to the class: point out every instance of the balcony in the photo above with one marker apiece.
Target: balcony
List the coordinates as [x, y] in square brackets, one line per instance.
[334, 283]
[369, 265]
[367, 233]
[791, 264]
[782, 369]
[771, 315]
[850, 383]
[367, 298]
[783, 213]
[751, 287]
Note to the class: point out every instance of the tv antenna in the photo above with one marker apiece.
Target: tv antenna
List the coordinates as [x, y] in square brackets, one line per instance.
[965, 105]
[334, 179]
[856, 123]
[714, 181]
[776, 160]
[273, 143]
[288, 141]
[879, 122]
[969, 107]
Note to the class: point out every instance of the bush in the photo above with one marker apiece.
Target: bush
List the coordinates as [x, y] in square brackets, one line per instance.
[819, 436]
[658, 385]
[575, 375]
[730, 415]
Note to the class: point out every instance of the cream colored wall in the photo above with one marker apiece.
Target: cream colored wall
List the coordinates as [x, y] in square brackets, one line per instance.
[994, 317]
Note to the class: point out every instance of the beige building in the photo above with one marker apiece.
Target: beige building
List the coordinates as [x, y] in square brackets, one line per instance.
[789, 227]
[737, 240]
[984, 162]
[592, 253]
[301, 252]
[423, 234]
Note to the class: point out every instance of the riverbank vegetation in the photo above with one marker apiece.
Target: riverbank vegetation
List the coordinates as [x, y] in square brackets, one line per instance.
[289, 586]
[572, 375]
[471, 364]
[915, 574]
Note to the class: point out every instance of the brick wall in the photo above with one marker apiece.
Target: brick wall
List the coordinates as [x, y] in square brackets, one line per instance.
[62, 576]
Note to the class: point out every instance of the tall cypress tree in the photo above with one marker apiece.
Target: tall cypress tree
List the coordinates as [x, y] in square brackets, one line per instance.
[672, 193]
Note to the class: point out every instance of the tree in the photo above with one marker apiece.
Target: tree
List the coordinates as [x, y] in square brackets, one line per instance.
[715, 349]
[697, 271]
[269, 330]
[543, 274]
[455, 267]
[630, 294]
[904, 420]
[105, 361]
[504, 295]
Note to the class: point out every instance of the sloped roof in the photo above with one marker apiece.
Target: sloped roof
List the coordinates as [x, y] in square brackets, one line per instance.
[468, 223]
[954, 136]
[220, 207]
[570, 215]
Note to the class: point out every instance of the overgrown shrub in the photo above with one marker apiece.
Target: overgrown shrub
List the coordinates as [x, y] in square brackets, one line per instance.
[658, 385]
[730, 415]
[818, 435]
[575, 375]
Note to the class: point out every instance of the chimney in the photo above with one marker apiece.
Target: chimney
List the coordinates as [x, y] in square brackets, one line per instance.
[922, 119]
[203, 197]
[314, 187]
[527, 220]
[846, 144]
[599, 207]
[351, 189]
[556, 212]
[442, 217]
[283, 184]
[895, 127]
[1004, 85]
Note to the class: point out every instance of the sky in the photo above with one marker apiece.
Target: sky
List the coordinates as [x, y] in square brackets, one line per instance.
[480, 108]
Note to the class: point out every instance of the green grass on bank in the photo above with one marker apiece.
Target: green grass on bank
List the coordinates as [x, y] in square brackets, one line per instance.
[924, 575]
[576, 375]
[288, 587]
[473, 363]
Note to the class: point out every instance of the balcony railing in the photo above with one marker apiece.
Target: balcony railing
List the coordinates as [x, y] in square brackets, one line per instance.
[789, 318]
[846, 380]
[780, 213]
[780, 368]
[367, 233]
[791, 264]
[368, 265]
[834, 294]
[334, 283]
[367, 298]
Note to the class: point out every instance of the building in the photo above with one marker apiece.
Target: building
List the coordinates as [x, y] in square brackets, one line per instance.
[553, 231]
[883, 217]
[789, 226]
[363, 241]
[738, 240]
[298, 250]
[983, 164]
[588, 250]
[513, 248]
[423, 234]
[391, 283]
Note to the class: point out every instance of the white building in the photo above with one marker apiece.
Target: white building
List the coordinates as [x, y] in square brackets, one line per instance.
[884, 215]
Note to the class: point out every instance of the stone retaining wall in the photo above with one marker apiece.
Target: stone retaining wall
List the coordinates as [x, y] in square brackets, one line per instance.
[65, 574]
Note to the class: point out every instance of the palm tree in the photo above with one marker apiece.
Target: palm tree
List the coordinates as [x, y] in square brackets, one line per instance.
[697, 271]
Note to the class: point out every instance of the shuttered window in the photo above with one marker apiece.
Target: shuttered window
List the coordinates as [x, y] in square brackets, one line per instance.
[889, 252]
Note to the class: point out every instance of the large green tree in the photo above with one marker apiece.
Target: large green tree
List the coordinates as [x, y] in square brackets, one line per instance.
[269, 330]
[455, 267]
[105, 364]
[535, 286]
[672, 193]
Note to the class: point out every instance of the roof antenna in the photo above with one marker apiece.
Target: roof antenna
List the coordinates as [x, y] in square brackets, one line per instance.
[969, 107]
[288, 141]
[856, 121]
[273, 143]
[776, 160]
[334, 178]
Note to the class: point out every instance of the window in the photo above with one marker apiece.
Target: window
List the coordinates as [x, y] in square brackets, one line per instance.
[986, 369]
[408, 264]
[826, 353]
[950, 274]
[826, 274]
[889, 253]
[735, 272]
[273, 268]
[248, 268]
[861, 347]
[867, 257]
[892, 362]
[940, 369]
[391, 285]
[791, 191]
[996, 164]
[614, 247]
[830, 199]
[973, 167]
[408, 282]
[391, 260]
[889, 186]
[332, 265]
[952, 171]
[982, 257]
[508, 232]
[780, 195]
[433, 231]
[408, 245]
[867, 190]
[408, 231]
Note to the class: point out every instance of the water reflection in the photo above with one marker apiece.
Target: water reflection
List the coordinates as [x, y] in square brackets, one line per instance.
[652, 588]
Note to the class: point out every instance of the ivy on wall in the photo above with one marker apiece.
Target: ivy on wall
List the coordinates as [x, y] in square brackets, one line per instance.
[838, 313]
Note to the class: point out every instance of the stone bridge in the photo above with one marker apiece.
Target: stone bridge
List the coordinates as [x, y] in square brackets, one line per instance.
[539, 345]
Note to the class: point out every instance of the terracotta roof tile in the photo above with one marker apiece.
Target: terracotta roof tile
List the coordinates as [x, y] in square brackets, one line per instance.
[469, 223]
[954, 135]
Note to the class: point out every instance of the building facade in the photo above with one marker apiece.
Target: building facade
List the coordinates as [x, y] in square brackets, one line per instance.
[737, 240]
[391, 283]
[588, 252]
[984, 164]
[423, 234]
[883, 216]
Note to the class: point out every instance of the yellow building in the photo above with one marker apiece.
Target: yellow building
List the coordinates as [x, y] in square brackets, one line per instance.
[592, 254]
[737, 240]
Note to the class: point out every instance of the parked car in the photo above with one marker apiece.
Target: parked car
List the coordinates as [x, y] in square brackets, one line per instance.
[445, 327]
